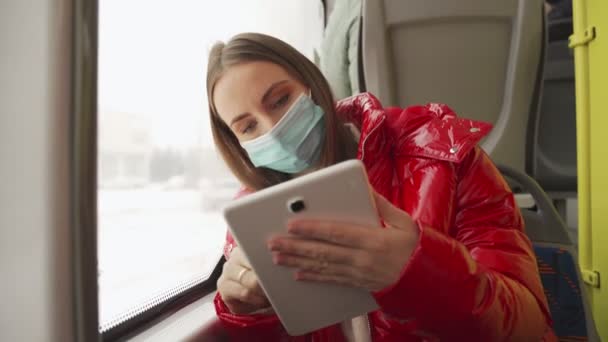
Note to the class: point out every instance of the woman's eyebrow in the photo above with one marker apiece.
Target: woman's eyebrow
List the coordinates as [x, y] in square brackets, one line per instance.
[271, 88]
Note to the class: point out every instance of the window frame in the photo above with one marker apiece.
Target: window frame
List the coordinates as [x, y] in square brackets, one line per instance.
[148, 318]
[83, 174]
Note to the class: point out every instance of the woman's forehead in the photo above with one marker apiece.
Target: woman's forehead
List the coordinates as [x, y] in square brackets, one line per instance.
[250, 76]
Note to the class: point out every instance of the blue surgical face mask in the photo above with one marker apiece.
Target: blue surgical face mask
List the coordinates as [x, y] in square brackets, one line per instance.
[294, 144]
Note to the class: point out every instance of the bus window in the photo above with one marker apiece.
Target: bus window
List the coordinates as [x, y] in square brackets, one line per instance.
[161, 184]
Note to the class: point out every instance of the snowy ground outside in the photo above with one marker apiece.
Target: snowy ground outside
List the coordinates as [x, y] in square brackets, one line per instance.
[149, 241]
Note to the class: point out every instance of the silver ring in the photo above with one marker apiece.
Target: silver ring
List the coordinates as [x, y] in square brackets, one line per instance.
[242, 273]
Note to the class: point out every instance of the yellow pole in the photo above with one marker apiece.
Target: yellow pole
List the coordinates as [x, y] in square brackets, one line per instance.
[590, 43]
[582, 134]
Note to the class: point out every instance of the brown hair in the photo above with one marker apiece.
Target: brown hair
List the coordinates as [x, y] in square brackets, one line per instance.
[250, 47]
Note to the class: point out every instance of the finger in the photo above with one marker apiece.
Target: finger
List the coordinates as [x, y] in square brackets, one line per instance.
[231, 290]
[237, 256]
[241, 308]
[250, 281]
[339, 233]
[312, 249]
[392, 216]
[232, 271]
[314, 265]
[325, 278]
[244, 276]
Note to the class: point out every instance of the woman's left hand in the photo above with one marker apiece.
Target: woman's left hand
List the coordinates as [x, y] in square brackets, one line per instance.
[371, 258]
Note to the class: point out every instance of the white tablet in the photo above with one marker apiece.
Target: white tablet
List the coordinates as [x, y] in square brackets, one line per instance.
[340, 192]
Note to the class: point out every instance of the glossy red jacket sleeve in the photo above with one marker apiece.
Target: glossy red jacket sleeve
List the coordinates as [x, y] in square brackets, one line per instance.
[258, 327]
[479, 281]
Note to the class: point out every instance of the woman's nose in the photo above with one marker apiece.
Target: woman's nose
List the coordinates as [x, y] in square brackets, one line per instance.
[267, 122]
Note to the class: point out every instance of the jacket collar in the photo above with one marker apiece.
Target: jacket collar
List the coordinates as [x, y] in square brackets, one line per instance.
[366, 113]
[431, 131]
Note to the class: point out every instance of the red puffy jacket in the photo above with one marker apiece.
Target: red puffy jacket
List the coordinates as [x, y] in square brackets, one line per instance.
[473, 275]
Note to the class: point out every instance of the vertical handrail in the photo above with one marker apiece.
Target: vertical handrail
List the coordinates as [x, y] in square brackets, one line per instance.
[581, 57]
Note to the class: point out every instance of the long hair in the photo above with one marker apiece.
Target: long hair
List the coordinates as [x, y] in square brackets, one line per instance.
[252, 47]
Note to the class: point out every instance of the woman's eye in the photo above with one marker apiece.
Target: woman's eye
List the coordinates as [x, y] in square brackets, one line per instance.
[283, 100]
[249, 128]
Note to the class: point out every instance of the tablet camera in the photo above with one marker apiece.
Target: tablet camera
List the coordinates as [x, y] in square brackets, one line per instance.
[296, 205]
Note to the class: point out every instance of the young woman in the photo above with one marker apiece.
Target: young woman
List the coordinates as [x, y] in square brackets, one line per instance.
[452, 262]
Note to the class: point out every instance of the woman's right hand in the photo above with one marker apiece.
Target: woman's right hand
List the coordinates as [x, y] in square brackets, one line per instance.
[239, 287]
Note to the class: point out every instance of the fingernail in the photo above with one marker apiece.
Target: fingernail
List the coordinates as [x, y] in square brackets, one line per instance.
[271, 244]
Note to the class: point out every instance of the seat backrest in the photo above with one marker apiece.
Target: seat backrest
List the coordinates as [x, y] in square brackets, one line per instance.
[480, 57]
[554, 140]
[543, 223]
[556, 258]
[559, 29]
[561, 281]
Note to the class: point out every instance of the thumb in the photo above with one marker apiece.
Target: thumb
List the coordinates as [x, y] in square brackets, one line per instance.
[392, 216]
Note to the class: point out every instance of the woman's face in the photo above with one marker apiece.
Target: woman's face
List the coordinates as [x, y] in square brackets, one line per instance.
[252, 97]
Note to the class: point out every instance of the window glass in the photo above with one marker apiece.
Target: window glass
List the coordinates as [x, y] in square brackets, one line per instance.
[161, 184]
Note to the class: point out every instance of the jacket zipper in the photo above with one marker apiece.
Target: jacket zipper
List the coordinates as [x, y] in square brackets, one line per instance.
[367, 136]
